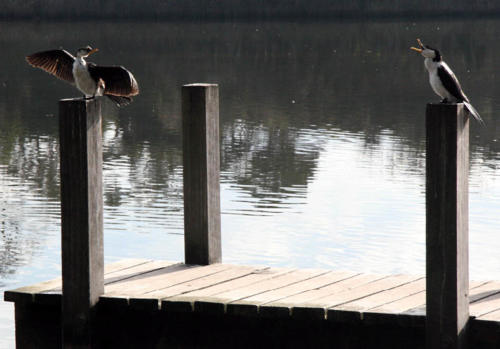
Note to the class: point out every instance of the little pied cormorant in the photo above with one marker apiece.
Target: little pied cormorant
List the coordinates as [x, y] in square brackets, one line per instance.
[443, 81]
[114, 82]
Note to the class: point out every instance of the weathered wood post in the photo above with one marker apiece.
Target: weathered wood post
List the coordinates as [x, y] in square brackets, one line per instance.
[81, 217]
[200, 143]
[447, 206]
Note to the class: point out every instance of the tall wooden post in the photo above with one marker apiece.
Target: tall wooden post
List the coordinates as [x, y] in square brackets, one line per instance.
[447, 207]
[200, 131]
[81, 215]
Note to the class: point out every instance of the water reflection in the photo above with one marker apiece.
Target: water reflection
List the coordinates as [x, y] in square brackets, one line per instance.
[322, 135]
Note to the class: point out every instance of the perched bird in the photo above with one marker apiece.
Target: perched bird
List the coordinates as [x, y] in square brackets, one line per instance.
[114, 82]
[443, 81]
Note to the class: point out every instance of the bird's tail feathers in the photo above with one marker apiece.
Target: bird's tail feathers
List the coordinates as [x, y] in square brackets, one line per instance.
[474, 112]
[120, 101]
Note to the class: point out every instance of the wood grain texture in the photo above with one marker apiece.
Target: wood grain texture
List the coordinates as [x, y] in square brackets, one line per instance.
[239, 303]
[221, 277]
[482, 289]
[112, 273]
[386, 296]
[491, 316]
[32, 293]
[81, 216]
[485, 299]
[340, 286]
[162, 278]
[277, 282]
[210, 293]
[447, 268]
[137, 271]
[224, 293]
[359, 293]
[27, 293]
[279, 303]
[402, 305]
[322, 279]
[201, 159]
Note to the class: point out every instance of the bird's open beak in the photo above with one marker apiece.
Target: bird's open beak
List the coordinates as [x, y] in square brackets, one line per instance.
[93, 51]
[418, 49]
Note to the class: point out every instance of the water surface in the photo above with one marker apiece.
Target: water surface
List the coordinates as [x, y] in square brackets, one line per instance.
[322, 143]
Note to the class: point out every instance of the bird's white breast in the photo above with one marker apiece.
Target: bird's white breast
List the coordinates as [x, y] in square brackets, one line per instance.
[434, 79]
[83, 80]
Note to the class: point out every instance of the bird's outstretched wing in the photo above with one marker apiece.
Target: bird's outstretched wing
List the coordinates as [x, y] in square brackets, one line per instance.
[118, 81]
[120, 101]
[56, 62]
[450, 82]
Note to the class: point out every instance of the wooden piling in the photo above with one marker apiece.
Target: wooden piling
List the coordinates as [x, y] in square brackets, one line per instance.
[200, 131]
[81, 217]
[447, 266]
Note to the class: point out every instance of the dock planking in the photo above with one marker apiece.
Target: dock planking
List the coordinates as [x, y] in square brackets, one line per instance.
[266, 291]
[113, 272]
[492, 316]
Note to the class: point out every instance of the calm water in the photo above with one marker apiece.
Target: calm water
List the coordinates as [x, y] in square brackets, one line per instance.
[322, 155]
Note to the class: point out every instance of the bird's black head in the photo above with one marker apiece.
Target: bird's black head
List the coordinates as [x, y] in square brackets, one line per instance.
[85, 51]
[437, 54]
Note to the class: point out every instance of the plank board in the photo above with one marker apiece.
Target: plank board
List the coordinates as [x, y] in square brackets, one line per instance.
[309, 309]
[360, 292]
[384, 297]
[152, 299]
[203, 282]
[484, 290]
[205, 293]
[252, 305]
[28, 293]
[414, 302]
[283, 280]
[485, 299]
[402, 305]
[162, 278]
[342, 285]
[119, 274]
[268, 292]
[318, 281]
[136, 271]
[491, 316]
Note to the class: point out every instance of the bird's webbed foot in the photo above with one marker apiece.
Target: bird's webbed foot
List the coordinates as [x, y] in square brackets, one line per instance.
[444, 100]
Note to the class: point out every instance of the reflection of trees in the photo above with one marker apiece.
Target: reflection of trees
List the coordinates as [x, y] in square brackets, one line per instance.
[21, 236]
[266, 158]
[36, 160]
[10, 248]
[281, 83]
[276, 79]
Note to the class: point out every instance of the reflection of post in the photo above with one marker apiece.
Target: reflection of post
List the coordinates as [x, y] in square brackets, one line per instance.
[200, 131]
[447, 205]
[81, 215]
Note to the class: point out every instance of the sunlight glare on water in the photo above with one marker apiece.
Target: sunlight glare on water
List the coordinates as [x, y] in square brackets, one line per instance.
[322, 143]
[336, 197]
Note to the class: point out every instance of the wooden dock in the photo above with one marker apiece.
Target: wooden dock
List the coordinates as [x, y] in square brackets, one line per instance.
[253, 292]
[265, 291]
[203, 303]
